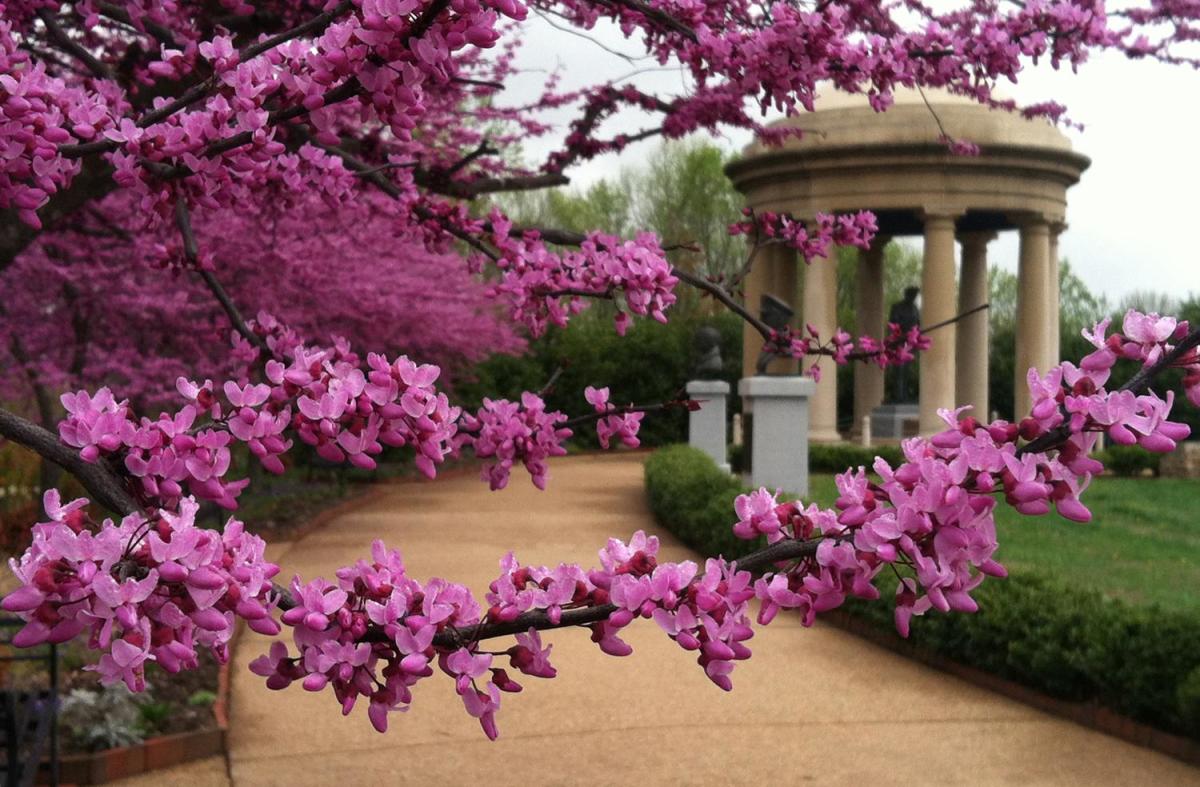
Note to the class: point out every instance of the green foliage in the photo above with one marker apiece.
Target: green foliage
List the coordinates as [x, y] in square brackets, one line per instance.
[1129, 460]
[681, 194]
[652, 363]
[1188, 697]
[840, 457]
[154, 715]
[202, 698]
[103, 718]
[1063, 639]
[693, 498]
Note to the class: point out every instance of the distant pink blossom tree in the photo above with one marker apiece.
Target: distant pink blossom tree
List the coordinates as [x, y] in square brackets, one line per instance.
[314, 165]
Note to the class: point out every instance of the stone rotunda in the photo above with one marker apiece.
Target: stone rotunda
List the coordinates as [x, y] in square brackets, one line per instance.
[852, 158]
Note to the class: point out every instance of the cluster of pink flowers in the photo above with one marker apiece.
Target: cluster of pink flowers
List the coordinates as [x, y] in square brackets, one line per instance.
[377, 632]
[622, 425]
[146, 589]
[372, 634]
[814, 239]
[706, 613]
[1145, 339]
[377, 58]
[934, 513]
[512, 432]
[164, 454]
[35, 111]
[322, 394]
[544, 287]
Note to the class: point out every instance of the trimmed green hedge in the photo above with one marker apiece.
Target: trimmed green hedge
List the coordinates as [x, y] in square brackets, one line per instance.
[1140, 661]
[1129, 460]
[837, 457]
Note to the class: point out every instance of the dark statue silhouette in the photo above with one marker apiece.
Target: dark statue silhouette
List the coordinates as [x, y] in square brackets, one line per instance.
[905, 314]
[776, 314]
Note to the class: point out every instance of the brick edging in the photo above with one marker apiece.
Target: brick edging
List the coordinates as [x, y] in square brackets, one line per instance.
[1091, 715]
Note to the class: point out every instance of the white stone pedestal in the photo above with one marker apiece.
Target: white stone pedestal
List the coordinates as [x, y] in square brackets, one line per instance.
[706, 426]
[779, 439]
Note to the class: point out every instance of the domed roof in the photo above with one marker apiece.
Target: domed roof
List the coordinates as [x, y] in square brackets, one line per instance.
[843, 120]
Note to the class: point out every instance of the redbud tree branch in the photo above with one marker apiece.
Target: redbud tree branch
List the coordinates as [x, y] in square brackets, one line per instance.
[184, 222]
[1057, 436]
[106, 487]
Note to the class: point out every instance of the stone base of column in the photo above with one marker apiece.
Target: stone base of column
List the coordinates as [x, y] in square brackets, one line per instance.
[825, 436]
[895, 421]
[706, 426]
[779, 441]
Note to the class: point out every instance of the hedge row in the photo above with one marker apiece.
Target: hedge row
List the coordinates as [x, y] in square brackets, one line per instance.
[1071, 643]
[1122, 460]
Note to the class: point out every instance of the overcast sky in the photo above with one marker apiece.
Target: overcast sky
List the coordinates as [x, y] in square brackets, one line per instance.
[1133, 222]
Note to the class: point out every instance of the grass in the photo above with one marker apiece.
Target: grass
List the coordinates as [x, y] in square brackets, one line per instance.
[1142, 545]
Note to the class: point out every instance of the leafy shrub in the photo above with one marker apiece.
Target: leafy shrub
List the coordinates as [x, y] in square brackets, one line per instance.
[737, 457]
[693, 498]
[651, 364]
[1143, 661]
[102, 718]
[840, 457]
[1129, 460]
[1188, 697]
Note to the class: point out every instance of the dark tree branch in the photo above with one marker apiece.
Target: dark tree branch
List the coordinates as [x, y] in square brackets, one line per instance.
[756, 562]
[725, 297]
[92, 183]
[662, 18]
[72, 47]
[472, 189]
[104, 486]
[119, 14]
[381, 182]
[190, 250]
[632, 408]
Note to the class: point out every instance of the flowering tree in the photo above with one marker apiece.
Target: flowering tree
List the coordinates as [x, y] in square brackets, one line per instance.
[373, 122]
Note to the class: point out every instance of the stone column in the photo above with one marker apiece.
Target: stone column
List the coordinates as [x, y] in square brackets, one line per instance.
[1054, 292]
[774, 273]
[779, 444]
[706, 426]
[938, 303]
[971, 362]
[1033, 309]
[869, 319]
[785, 285]
[820, 311]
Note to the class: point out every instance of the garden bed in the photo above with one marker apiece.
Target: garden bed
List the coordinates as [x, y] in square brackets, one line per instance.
[191, 730]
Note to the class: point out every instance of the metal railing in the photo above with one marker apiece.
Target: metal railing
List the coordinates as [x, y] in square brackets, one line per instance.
[28, 713]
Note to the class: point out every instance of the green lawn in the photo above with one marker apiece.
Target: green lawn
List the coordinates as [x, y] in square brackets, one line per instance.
[1142, 545]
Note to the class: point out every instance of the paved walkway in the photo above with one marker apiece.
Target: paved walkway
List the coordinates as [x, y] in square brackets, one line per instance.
[813, 706]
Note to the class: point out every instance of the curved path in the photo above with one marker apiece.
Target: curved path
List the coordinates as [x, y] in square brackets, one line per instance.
[813, 706]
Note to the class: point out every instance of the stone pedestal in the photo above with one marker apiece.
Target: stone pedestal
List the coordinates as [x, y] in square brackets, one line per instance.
[706, 426]
[779, 442]
[895, 421]
[1183, 462]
